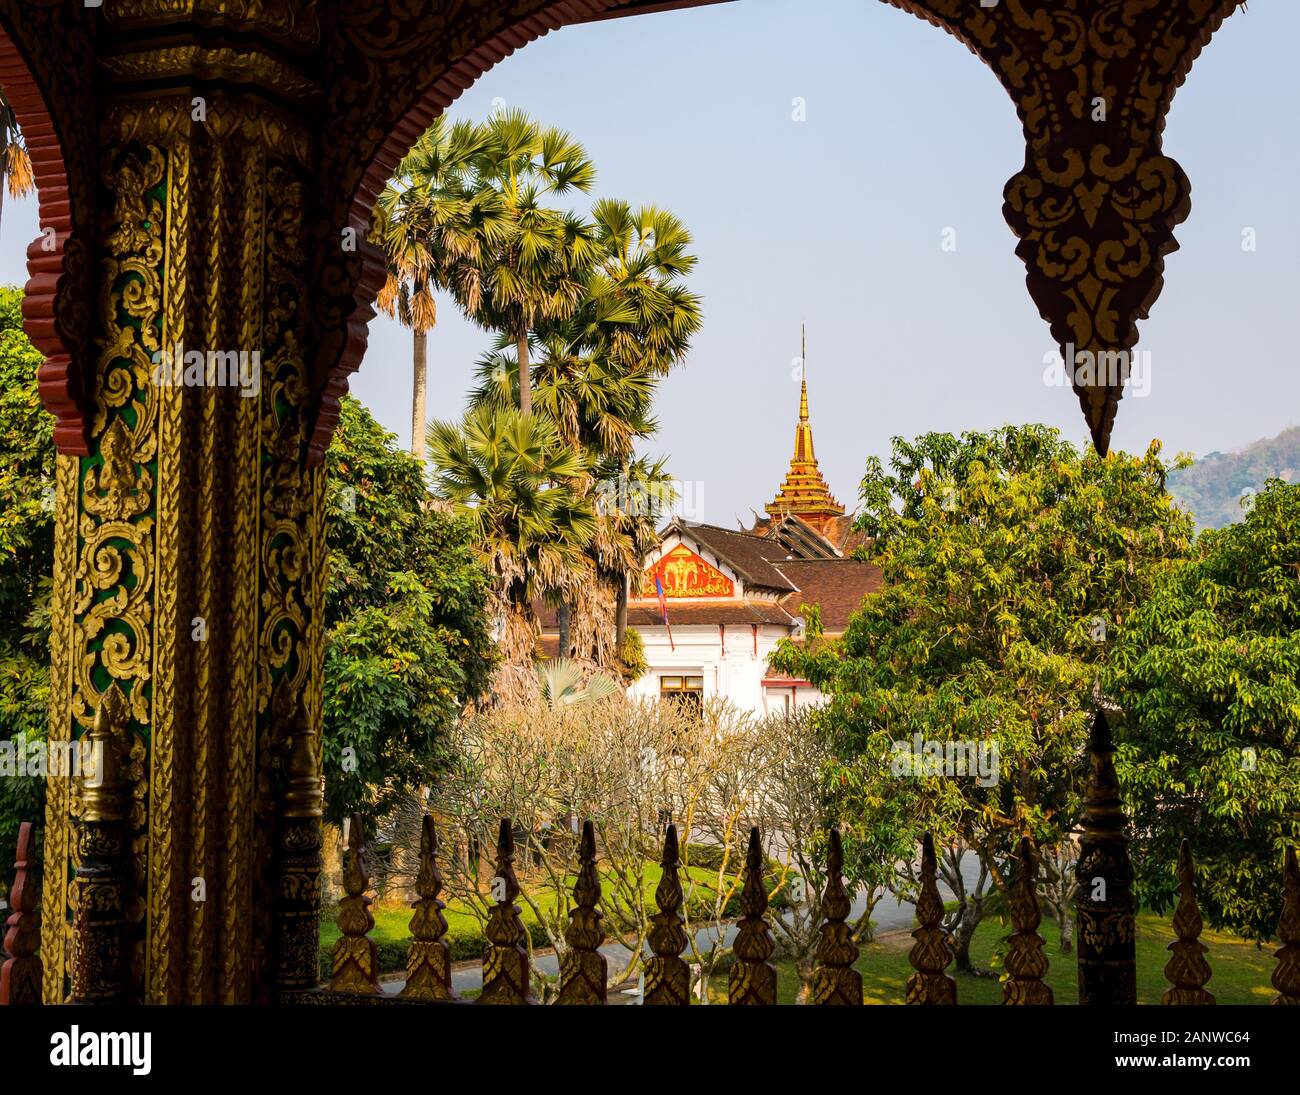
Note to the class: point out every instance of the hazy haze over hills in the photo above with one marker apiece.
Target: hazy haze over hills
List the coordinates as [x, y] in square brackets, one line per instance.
[1214, 486]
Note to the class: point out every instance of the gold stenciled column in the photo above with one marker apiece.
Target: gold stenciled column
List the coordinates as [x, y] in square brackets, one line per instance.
[189, 561]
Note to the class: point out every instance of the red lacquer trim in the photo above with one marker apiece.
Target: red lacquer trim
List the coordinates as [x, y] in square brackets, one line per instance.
[60, 384]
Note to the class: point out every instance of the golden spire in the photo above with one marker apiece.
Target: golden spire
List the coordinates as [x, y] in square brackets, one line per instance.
[804, 493]
[803, 373]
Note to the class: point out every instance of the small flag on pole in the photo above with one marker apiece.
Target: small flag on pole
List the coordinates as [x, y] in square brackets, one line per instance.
[663, 608]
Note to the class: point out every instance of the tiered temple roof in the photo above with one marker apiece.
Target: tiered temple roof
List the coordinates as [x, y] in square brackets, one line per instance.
[805, 493]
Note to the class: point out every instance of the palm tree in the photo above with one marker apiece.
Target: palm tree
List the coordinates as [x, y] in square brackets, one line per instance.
[562, 684]
[511, 474]
[637, 319]
[15, 164]
[602, 411]
[432, 224]
[537, 270]
[638, 314]
[595, 378]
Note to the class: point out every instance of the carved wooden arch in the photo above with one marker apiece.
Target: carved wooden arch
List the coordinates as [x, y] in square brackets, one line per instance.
[1097, 201]
[1095, 205]
[397, 72]
[46, 52]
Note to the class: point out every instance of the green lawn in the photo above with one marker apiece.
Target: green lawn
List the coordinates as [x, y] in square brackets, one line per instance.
[464, 934]
[1241, 970]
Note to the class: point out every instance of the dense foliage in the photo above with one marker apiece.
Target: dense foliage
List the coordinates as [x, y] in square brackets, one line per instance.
[26, 554]
[1011, 564]
[591, 312]
[406, 631]
[1208, 671]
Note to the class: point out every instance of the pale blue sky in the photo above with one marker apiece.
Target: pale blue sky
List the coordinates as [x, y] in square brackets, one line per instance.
[838, 221]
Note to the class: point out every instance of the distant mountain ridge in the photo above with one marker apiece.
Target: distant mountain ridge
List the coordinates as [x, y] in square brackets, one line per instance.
[1213, 487]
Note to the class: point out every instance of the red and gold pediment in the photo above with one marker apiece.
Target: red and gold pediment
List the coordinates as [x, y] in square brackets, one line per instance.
[685, 574]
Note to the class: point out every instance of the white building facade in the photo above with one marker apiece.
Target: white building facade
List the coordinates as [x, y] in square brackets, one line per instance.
[721, 629]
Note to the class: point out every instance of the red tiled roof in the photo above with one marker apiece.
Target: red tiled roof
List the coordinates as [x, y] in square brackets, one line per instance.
[837, 585]
[749, 556]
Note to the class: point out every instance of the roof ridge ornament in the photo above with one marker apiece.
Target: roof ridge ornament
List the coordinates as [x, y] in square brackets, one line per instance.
[804, 492]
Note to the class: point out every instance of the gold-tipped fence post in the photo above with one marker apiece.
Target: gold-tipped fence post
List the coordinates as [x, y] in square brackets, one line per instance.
[930, 954]
[354, 960]
[583, 969]
[667, 976]
[835, 981]
[1187, 970]
[428, 962]
[1026, 961]
[505, 966]
[752, 979]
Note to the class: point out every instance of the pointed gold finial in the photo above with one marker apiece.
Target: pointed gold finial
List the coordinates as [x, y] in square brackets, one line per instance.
[835, 981]
[803, 370]
[804, 492]
[930, 954]
[667, 977]
[505, 966]
[428, 962]
[1026, 963]
[1187, 970]
[583, 969]
[753, 977]
[354, 960]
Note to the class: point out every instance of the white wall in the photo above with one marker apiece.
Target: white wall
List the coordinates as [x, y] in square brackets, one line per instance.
[738, 676]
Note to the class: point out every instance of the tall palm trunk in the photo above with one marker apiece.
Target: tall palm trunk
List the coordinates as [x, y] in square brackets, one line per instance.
[563, 615]
[525, 374]
[515, 678]
[420, 363]
[620, 615]
[593, 626]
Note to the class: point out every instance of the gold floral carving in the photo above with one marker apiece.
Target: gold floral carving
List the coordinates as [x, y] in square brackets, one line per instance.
[200, 63]
[1097, 201]
[166, 119]
[105, 557]
[57, 851]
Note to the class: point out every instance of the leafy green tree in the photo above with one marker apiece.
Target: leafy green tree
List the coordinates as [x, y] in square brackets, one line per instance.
[1011, 564]
[512, 476]
[1208, 673]
[26, 555]
[407, 647]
